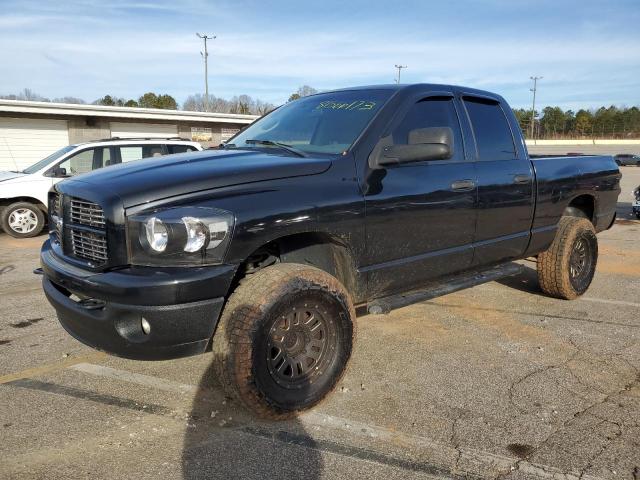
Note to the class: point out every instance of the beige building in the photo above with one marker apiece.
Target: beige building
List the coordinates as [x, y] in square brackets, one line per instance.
[29, 131]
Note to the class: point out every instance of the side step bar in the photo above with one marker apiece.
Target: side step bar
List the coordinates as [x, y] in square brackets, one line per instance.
[452, 284]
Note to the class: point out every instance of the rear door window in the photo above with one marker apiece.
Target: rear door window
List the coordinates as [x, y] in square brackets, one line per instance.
[181, 148]
[130, 153]
[491, 129]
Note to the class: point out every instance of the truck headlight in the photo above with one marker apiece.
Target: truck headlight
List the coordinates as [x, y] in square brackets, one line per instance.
[157, 235]
[179, 236]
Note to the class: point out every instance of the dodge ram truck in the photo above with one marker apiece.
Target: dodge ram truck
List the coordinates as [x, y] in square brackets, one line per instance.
[259, 252]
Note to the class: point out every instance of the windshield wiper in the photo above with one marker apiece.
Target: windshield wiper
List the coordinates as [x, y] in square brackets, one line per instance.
[283, 146]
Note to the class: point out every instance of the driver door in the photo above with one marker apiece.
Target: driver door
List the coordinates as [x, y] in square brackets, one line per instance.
[420, 216]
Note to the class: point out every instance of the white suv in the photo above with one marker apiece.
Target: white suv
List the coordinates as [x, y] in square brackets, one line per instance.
[23, 195]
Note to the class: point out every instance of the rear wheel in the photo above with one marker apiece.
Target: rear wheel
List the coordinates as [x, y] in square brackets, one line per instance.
[566, 269]
[22, 220]
[284, 339]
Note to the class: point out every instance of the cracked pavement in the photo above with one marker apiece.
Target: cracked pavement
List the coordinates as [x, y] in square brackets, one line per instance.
[497, 381]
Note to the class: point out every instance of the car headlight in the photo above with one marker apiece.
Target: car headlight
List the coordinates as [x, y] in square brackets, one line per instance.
[179, 236]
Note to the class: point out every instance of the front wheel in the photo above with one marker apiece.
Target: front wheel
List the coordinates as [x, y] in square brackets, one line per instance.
[284, 339]
[22, 220]
[566, 269]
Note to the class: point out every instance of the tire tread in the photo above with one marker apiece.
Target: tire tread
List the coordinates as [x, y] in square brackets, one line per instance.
[552, 266]
[240, 320]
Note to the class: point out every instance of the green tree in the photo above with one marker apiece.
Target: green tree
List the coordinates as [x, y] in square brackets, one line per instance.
[583, 122]
[303, 91]
[152, 100]
[553, 122]
[524, 119]
[148, 100]
[131, 103]
[106, 100]
[167, 102]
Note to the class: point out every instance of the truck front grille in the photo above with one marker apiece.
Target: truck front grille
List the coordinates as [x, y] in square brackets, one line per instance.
[55, 217]
[78, 227]
[90, 246]
[86, 213]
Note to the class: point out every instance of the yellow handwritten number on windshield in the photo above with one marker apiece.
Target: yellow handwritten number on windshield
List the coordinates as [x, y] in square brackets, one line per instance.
[355, 105]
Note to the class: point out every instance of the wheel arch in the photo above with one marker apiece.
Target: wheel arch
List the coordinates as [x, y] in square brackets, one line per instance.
[581, 206]
[319, 249]
[5, 202]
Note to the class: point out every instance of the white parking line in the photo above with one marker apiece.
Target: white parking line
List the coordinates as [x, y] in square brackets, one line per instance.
[468, 456]
[137, 378]
[611, 302]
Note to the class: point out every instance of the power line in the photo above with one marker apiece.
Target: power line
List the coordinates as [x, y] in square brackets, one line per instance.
[399, 67]
[205, 56]
[533, 108]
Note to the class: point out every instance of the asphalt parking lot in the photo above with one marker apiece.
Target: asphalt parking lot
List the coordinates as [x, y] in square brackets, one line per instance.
[497, 381]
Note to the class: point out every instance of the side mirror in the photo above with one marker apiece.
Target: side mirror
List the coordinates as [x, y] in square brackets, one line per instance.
[433, 143]
[58, 172]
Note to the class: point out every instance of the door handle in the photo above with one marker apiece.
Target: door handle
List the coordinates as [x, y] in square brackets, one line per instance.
[521, 178]
[463, 185]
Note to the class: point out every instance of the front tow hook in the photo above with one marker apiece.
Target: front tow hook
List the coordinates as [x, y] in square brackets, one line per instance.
[38, 271]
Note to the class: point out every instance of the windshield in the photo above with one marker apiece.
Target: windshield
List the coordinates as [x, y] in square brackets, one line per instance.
[325, 123]
[47, 160]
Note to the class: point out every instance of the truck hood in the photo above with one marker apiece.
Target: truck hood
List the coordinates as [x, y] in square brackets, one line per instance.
[6, 176]
[153, 179]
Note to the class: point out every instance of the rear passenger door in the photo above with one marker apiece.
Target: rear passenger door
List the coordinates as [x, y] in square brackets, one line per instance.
[505, 185]
[420, 216]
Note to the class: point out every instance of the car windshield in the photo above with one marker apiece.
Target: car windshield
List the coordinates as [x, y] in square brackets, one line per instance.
[327, 123]
[47, 160]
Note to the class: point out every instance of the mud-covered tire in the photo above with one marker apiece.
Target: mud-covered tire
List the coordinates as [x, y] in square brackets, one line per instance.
[289, 313]
[22, 220]
[566, 269]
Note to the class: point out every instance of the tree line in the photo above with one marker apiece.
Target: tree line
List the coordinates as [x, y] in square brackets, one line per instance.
[242, 104]
[551, 122]
[556, 123]
[237, 104]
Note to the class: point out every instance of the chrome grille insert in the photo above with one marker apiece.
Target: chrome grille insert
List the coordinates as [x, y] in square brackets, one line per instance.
[86, 213]
[90, 246]
[55, 217]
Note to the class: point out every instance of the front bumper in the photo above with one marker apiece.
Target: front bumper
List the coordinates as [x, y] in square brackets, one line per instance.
[181, 305]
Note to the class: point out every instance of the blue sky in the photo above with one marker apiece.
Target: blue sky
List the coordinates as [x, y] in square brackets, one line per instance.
[588, 52]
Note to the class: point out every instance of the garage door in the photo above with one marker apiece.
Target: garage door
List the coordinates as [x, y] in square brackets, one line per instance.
[24, 141]
[143, 130]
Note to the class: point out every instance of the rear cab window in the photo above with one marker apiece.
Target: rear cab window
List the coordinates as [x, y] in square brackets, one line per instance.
[491, 129]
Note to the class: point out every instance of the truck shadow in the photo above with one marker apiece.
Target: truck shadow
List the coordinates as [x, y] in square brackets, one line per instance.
[526, 281]
[222, 440]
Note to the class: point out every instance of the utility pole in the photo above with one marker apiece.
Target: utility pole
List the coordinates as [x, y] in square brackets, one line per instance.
[533, 108]
[399, 67]
[205, 56]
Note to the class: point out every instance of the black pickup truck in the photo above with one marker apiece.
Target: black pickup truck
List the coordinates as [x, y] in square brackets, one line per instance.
[260, 251]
